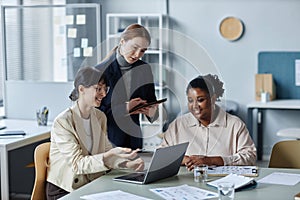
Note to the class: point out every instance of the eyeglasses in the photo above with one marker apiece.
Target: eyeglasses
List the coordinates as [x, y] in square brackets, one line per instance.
[102, 89]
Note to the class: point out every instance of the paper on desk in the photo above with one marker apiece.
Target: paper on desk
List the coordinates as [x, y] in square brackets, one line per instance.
[281, 178]
[113, 195]
[183, 192]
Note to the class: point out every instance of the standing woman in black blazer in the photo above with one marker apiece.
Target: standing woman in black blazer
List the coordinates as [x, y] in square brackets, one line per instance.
[131, 83]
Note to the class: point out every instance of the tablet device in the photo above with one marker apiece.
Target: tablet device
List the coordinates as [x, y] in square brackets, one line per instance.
[147, 104]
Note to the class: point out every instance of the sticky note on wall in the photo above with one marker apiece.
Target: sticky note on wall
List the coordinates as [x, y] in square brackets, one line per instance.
[80, 19]
[72, 32]
[84, 42]
[88, 52]
[76, 52]
[69, 19]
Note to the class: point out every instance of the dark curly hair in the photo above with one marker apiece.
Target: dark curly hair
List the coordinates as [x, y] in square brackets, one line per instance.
[209, 83]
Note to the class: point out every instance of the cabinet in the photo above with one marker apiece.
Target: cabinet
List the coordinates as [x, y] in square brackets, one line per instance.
[156, 56]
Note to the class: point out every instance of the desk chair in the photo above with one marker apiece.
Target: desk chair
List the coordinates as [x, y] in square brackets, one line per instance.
[229, 106]
[285, 154]
[41, 155]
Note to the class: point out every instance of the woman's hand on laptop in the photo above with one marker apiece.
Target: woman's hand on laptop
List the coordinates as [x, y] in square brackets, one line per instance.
[121, 152]
[134, 161]
[136, 164]
[130, 156]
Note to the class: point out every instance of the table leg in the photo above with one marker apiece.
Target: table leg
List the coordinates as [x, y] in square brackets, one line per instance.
[259, 134]
[4, 173]
[250, 121]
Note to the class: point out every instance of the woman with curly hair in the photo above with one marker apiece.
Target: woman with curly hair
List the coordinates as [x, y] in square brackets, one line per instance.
[215, 137]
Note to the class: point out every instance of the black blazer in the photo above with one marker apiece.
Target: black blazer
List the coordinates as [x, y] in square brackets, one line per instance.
[124, 130]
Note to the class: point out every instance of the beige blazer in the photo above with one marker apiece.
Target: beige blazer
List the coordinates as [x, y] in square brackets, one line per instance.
[70, 164]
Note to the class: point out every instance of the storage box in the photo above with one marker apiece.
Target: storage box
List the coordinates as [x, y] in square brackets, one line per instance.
[264, 83]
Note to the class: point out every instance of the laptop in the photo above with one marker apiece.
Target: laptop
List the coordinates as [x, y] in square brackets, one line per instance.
[165, 163]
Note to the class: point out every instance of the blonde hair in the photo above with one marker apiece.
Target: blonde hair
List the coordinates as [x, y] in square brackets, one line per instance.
[130, 32]
[135, 30]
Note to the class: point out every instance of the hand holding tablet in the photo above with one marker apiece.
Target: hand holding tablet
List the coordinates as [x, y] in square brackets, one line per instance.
[144, 105]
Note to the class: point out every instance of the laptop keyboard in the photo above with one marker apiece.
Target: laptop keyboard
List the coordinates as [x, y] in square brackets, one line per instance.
[137, 177]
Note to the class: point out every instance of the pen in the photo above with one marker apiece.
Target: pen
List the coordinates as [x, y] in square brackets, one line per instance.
[46, 112]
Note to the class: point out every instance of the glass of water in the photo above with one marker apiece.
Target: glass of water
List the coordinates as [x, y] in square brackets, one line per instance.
[226, 191]
[200, 173]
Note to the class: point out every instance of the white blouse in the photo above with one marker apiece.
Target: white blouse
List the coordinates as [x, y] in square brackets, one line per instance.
[88, 133]
[227, 136]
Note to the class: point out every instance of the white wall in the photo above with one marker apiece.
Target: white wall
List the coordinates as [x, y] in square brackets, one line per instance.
[270, 25]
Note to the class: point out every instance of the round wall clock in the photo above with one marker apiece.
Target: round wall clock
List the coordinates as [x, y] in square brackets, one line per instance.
[231, 28]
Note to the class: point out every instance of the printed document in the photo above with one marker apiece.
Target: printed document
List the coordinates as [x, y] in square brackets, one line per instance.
[184, 192]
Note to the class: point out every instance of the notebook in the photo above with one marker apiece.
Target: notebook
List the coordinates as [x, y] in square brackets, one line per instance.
[165, 163]
[240, 182]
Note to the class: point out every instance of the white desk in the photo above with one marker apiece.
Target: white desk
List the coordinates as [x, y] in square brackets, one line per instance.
[291, 104]
[34, 133]
[262, 192]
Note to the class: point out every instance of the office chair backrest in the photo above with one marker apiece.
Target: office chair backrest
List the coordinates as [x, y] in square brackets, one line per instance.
[285, 154]
[41, 155]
